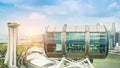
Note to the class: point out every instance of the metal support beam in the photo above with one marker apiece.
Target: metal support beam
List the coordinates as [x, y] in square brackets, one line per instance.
[64, 40]
[87, 40]
[74, 64]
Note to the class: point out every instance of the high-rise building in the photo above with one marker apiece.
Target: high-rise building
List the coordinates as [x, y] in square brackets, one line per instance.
[117, 38]
[110, 37]
[113, 32]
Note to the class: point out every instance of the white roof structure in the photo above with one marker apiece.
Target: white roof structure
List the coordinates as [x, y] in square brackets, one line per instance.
[101, 28]
[51, 28]
[58, 28]
[70, 29]
[93, 28]
[38, 59]
[80, 28]
[97, 28]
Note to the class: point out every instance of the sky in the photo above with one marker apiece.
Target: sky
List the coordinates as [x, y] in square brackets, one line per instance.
[34, 15]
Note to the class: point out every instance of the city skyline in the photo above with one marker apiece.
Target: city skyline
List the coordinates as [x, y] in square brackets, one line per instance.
[34, 15]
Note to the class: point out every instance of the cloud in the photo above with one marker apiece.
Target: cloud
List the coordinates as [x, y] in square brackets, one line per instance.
[53, 10]
[69, 7]
[107, 21]
[30, 2]
[8, 1]
[113, 5]
[60, 7]
[35, 22]
[33, 16]
[36, 16]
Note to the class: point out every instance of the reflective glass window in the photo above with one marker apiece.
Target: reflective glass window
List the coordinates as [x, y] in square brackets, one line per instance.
[97, 42]
[75, 42]
[57, 36]
[54, 36]
[75, 36]
[97, 37]
[54, 47]
[50, 35]
[75, 48]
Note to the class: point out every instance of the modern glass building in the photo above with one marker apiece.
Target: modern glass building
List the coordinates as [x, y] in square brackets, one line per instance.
[76, 41]
[117, 37]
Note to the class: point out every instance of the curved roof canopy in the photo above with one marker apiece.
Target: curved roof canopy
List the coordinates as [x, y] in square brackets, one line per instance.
[97, 28]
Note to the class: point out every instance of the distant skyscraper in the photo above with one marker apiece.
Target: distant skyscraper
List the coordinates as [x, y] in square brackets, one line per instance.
[113, 31]
[111, 41]
[117, 37]
[98, 24]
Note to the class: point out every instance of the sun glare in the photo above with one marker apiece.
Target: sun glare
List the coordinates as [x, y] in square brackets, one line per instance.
[31, 32]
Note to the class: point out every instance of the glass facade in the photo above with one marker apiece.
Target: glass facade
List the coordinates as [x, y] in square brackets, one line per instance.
[76, 45]
[72, 36]
[54, 47]
[50, 35]
[97, 43]
[54, 42]
[55, 36]
[75, 42]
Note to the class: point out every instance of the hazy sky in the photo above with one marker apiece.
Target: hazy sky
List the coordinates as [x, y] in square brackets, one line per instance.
[34, 15]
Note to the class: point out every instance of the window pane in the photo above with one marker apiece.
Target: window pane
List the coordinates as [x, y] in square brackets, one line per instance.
[76, 36]
[75, 42]
[97, 37]
[50, 35]
[57, 36]
[97, 48]
[54, 47]
[58, 48]
[97, 42]
[75, 48]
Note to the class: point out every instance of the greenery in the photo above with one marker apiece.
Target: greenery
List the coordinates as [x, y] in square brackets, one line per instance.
[111, 61]
[20, 48]
[3, 48]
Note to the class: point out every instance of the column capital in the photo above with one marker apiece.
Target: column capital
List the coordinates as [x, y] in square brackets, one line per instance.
[13, 25]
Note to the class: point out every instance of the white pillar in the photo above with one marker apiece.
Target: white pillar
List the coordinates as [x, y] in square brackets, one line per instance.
[10, 58]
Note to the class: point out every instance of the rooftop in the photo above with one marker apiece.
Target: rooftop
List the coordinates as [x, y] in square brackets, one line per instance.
[97, 28]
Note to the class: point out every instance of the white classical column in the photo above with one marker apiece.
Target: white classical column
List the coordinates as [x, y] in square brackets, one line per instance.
[15, 44]
[10, 59]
